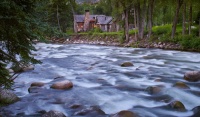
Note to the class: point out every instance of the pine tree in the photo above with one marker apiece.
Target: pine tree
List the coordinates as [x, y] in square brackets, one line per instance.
[18, 30]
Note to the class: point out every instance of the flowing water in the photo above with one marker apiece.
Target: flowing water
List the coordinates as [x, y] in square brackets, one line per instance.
[99, 80]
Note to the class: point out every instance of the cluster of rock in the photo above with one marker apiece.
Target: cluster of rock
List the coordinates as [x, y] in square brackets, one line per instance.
[85, 39]
[191, 76]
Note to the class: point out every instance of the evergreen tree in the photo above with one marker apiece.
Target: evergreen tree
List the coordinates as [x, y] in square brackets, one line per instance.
[18, 29]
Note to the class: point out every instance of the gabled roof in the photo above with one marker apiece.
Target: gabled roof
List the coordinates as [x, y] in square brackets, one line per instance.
[104, 19]
[101, 19]
[79, 18]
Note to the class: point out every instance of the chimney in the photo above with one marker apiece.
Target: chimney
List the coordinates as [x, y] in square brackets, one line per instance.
[87, 20]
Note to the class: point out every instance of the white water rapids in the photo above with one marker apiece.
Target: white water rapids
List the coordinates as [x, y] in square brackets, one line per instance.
[99, 80]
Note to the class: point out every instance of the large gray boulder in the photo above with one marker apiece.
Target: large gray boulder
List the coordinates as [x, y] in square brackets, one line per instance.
[53, 113]
[192, 76]
[65, 84]
[7, 96]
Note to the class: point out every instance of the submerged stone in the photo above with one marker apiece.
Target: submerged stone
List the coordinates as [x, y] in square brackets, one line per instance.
[124, 113]
[35, 89]
[91, 111]
[126, 64]
[192, 76]
[153, 89]
[181, 85]
[53, 113]
[38, 84]
[177, 105]
[196, 111]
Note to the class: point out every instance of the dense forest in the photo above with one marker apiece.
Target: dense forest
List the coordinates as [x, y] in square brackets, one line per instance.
[24, 21]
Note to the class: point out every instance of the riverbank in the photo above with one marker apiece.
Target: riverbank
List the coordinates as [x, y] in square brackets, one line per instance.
[116, 40]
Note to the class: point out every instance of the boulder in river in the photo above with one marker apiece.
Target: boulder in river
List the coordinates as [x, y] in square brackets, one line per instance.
[65, 84]
[177, 105]
[20, 68]
[35, 89]
[27, 68]
[126, 64]
[38, 84]
[7, 97]
[196, 111]
[124, 113]
[53, 113]
[153, 89]
[192, 76]
[91, 111]
[181, 85]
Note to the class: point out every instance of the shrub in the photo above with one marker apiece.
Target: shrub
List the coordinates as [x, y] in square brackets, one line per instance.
[165, 29]
[189, 42]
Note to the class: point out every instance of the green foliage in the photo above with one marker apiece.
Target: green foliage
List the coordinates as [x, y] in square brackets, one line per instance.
[18, 30]
[159, 30]
[133, 32]
[95, 30]
[190, 42]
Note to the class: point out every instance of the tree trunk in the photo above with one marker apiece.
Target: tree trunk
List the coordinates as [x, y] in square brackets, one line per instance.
[179, 3]
[58, 19]
[75, 25]
[199, 26]
[184, 19]
[141, 33]
[150, 14]
[126, 26]
[135, 23]
[138, 17]
[190, 19]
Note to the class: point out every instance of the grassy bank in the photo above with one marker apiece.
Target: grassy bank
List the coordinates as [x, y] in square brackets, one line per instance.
[159, 34]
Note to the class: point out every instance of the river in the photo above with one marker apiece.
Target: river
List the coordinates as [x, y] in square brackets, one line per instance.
[99, 80]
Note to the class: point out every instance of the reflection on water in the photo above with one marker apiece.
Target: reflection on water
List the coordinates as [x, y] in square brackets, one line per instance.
[99, 80]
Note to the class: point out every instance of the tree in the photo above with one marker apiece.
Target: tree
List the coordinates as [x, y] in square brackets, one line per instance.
[175, 21]
[60, 13]
[141, 16]
[184, 18]
[150, 16]
[18, 29]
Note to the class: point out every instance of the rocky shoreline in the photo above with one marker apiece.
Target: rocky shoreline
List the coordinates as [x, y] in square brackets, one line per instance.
[114, 40]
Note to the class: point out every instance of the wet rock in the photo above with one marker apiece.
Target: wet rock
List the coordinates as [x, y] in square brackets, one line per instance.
[34, 89]
[7, 97]
[53, 113]
[20, 68]
[38, 84]
[181, 85]
[91, 111]
[28, 68]
[126, 64]
[192, 76]
[157, 80]
[196, 111]
[177, 105]
[66, 84]
[75, 106]
[124, 113]
[153, 89]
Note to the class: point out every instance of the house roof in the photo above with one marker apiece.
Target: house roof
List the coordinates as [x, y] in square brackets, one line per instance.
[101, 19]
